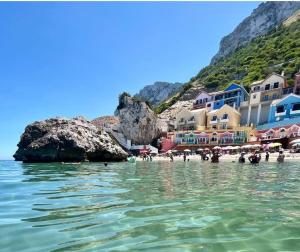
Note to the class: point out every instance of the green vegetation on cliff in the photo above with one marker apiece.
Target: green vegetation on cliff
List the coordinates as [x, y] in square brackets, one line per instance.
[277, 51]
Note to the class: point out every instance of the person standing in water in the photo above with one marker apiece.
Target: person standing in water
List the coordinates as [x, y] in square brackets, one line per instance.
[255, 158]
[267, 156]
[242, 158]
[215, 157]
[281, 156]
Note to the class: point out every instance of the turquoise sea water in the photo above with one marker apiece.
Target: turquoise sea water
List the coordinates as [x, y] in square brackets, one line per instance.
[158, 206]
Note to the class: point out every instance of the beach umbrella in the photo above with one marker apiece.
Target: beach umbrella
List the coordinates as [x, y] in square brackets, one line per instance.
[206, 149]
[174, 150]
[187, 150]
[273, 145]
[236, 148]
[199, 149]
[169, 151]
[246, 146]
[296, 144]
[217, 148]
[295, 141]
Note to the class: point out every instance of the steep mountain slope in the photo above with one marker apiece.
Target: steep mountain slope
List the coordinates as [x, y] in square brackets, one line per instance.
[158, 92]
[266, 16]
[277, 51]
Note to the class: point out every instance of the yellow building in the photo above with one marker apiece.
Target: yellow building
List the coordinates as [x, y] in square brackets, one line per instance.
[224, 118]
[191, 119]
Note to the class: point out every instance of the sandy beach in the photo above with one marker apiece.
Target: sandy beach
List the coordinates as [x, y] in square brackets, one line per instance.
[228, 158]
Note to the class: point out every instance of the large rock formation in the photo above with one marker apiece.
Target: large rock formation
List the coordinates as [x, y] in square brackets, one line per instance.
[59, 139]
[137, 121]
[266, 16]
[158, 92]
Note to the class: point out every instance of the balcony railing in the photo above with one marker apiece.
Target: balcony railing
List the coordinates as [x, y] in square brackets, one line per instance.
[224, 120]
[295, 112]
[280, 113]
[214, 121]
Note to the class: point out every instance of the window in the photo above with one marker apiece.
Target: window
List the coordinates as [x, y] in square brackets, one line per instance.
[254, 96]
[200, 101]
[214, 137]
[214, 118]
[257, 88]
[225, 116]
[214, 126]
[204, 100]
[266, 97]
[296, 106]
[276, 85]
[280, 109]
[224, 126]
[192, 118]
[275, 96]
[267, 87]
[208, 105]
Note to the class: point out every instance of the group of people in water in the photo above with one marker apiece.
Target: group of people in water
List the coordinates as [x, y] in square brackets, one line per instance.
[254, 158]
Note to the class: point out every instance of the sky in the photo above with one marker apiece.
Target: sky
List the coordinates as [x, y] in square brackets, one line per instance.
[70, 58]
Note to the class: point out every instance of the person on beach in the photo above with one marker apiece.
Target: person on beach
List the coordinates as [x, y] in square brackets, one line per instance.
[242, 158]
[281, 156]
[267, 156]
[215, 157]
[184, 157]
[171, 157]
[255, 157]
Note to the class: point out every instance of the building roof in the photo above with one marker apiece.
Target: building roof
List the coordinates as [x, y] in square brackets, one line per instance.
[256, 82]
[222, 108]
[198, 110]
[228, 90]
[260, 81]
[289, 121]
[291, 97]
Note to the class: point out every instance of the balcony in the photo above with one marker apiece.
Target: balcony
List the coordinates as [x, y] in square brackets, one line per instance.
[181, 123]
[214, 121]
[224, 120]
[190, 121]
[293, 112]
[280, 113]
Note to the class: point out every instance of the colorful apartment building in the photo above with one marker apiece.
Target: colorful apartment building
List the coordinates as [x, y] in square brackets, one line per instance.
[297, 84]
[233, 96]
[284, 109]
[191, 119]
[224, 118]
[204, 100]
[262, 94]
[228, 117]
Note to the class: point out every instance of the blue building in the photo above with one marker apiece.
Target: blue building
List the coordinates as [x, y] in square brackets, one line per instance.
[233, 96]
[284, 109]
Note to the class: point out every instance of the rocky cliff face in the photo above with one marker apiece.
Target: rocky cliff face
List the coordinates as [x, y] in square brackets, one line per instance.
[59, 139]
[266, 16]
[158, 92]
[137, 121]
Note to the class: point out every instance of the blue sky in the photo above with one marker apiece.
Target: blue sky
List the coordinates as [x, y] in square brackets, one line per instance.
[68, 59]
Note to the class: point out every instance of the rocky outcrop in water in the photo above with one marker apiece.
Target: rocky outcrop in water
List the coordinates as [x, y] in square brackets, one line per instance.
[68, 140]
[158, 92]
[137, 121]
[266, 16]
